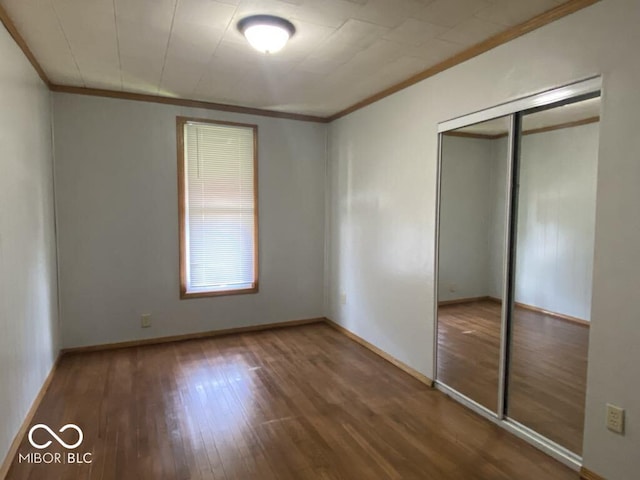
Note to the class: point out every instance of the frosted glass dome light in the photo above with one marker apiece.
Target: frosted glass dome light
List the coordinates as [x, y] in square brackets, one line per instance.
[266, 33]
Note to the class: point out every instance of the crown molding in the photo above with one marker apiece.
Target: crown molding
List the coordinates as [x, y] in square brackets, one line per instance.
[549, 128]
[501, 38]
[20, 41]
[482, 136]
[15, 34]
[490, 43]
[141, 97]
[558, 126]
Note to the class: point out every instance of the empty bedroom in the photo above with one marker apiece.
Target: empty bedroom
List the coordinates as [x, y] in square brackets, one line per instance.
[319, 239]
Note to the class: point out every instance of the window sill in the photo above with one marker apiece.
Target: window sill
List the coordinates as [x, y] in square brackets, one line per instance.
[218, 293]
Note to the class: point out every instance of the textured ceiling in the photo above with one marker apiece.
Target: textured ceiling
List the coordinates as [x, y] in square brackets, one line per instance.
[343, 51]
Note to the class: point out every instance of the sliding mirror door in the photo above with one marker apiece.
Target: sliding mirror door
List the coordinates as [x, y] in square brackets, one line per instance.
[552, 276]
[515, 248]
[474, 162]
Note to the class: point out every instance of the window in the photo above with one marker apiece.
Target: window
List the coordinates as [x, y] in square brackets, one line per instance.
[217, 187]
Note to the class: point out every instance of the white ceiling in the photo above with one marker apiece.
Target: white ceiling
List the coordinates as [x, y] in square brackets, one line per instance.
[572, 112]
[343, 51]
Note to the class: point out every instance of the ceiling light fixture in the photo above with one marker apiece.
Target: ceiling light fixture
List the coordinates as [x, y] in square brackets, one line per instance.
[266, 33]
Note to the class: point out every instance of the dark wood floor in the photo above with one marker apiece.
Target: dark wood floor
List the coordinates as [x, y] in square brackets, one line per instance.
[548, 369]
[296, 403]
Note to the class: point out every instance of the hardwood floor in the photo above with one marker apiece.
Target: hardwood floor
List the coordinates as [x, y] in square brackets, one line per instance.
[295, 403]
[548, 369]
[469, 349]
[548, 377]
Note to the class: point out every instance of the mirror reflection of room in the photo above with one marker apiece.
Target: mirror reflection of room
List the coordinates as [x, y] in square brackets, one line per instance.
[472, 230]
[553, 271]
[552, 255]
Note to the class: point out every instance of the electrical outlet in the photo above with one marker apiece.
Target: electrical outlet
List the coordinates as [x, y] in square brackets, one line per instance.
[145, 320]
[343, 298]
[615, 418]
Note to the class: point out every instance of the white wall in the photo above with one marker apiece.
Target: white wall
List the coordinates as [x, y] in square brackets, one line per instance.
[466, 217]
[472, 218]
[382, 208]
[497, 226]
[556, 220]
[28, 290]
[116, 183]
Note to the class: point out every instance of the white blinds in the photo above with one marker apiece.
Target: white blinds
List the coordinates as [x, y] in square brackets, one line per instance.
[219, 207]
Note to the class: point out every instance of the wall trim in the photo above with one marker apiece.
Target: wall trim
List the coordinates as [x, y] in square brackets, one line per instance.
[483, 136]
[575, 123]
[17, 440]
[457, 301]
[15, 34]
[389, 358]
[254, 328]
[190, 336]
[490, 43]
[586, 474]
[561, 316]
[223, 107]
[533, 131]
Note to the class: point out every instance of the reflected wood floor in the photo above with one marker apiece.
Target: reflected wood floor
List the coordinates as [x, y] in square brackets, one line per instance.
[548, 369]
[295, 403]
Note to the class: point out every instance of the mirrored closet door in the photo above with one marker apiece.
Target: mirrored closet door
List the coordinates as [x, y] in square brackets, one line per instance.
[515, 245]
[473, 186]
[555, 230]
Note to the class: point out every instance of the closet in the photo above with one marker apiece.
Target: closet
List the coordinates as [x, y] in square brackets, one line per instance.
[514, 261]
